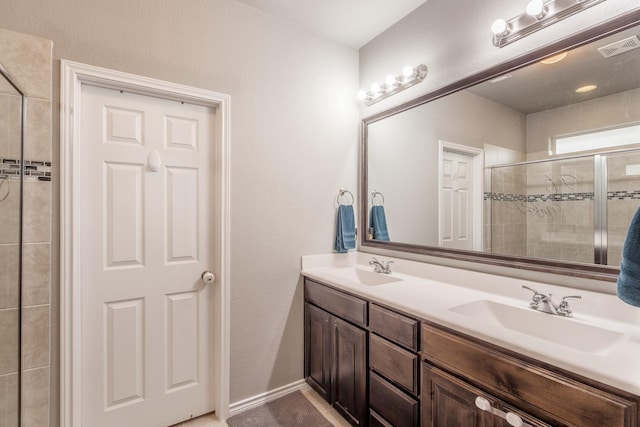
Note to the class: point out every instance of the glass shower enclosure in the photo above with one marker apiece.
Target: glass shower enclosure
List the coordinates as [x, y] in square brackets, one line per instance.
[11, 125]
[573, 208]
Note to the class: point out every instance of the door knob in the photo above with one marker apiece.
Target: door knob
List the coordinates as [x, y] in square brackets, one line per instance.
[208, 277]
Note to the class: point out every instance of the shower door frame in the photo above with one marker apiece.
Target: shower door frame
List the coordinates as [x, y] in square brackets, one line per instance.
[600, 196]
[23, 112]
[73, 76]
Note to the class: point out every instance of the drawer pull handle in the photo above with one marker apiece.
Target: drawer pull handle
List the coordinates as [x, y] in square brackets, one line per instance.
[513, 419]
[483, 404]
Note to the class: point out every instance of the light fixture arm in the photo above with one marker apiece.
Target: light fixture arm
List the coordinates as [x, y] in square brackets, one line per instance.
[552, 12]
[401, 83]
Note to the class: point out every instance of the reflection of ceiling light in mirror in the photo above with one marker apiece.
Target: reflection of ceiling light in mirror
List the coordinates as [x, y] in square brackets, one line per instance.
[555, 58]
[586, 88]
[500, 78]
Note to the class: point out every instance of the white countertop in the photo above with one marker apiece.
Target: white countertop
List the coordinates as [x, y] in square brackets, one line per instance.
[429, 291]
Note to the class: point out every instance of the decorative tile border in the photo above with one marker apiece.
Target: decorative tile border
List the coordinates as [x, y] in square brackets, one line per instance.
[34, 170]
[560, 197]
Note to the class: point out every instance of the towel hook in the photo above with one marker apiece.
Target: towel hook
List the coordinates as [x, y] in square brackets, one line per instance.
[375, 193]
[344, 192]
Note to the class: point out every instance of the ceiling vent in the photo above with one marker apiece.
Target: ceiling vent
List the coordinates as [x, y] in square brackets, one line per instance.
[619, 47]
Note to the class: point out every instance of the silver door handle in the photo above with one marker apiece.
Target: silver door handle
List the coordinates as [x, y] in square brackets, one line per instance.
[208, 277]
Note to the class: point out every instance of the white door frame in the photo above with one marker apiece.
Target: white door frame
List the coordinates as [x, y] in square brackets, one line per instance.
[73, 76]
[477, 193]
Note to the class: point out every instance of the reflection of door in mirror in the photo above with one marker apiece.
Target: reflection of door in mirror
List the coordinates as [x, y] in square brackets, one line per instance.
[460, 201]
[455, 206]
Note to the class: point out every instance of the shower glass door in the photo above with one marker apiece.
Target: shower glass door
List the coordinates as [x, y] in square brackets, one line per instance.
[573, 209]
[543, 209]
[11, 102]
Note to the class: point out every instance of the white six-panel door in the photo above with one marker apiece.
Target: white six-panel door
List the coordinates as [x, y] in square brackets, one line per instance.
[456, 210]
[147, 218]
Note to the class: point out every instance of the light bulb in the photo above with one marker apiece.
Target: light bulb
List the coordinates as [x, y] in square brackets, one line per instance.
[535, 8]
[390, 81]
[362, 95]
[499, 27]
[375, 88]
[408, 71]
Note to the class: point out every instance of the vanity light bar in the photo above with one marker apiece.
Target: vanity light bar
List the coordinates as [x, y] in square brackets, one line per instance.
[392, 85]
[539, 14]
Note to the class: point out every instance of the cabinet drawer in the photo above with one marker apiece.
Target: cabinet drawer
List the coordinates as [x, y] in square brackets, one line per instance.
[394, 326]
[393, 362]
[343, 305]
[394, 405]
[533, 388]
[376, 420]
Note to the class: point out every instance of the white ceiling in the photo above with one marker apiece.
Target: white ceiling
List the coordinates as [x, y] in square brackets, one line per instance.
[350, 22]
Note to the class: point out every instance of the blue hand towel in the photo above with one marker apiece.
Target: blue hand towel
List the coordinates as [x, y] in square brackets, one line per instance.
[629, 278]
[378, 222]
[345, 229]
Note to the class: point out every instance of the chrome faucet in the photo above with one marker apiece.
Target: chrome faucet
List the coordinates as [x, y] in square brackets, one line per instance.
[544, 303]
[381, 267]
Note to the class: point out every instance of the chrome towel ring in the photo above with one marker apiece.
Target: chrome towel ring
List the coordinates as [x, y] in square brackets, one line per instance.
[377, 196]
[345, 193]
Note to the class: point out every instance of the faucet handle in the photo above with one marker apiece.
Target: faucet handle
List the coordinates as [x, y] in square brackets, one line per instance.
[537, 297]
[564, 304]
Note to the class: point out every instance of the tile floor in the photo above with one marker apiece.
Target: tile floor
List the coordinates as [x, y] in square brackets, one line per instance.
[322, 406]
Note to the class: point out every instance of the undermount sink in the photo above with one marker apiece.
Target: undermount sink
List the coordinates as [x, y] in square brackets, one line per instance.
[559, 330]
[363, 277]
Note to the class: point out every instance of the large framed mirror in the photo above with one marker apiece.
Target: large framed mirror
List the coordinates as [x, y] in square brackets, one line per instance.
[532, 164]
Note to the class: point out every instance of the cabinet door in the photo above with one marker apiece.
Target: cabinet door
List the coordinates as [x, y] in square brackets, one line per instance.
[318, 346]
[448, 401]
[349, 381]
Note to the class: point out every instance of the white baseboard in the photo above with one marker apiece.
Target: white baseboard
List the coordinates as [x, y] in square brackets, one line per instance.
[252, 402]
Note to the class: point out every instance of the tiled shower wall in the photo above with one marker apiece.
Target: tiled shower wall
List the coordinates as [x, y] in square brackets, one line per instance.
[546, 209]
[505, 219]
[28, 60]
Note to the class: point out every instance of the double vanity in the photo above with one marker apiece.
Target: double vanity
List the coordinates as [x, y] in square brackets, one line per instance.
[427, 345]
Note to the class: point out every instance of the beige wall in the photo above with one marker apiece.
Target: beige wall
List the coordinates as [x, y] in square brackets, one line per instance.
[293, 145]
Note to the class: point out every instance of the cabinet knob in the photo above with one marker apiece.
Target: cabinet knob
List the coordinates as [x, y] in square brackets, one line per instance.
[483, 404]
[514, 419]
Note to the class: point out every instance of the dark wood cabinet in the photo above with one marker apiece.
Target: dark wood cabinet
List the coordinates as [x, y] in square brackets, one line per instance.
[349, 372]
[380, 367]
[318, 349]
[394, 367]
[448, 401]
[520, 384]
[336, 350]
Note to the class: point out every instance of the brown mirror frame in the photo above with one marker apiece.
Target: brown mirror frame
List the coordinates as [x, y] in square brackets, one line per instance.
[588, 271]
